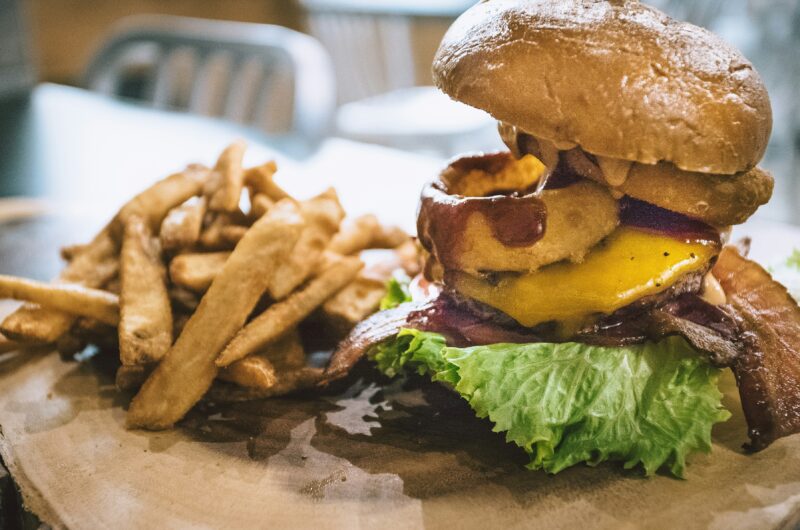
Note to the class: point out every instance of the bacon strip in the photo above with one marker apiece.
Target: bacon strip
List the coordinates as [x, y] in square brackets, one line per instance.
[469, 323]
[379, 327]
[768, 372]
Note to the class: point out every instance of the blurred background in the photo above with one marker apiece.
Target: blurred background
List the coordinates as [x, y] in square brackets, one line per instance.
[365, 75]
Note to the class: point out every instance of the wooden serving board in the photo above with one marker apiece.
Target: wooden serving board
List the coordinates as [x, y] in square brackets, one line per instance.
[371, 453]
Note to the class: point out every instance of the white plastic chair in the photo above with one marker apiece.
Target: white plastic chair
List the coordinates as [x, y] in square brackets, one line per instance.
[269, 77]
[372, 43]
[16, 65]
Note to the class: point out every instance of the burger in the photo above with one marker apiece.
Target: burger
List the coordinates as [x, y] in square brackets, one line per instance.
[579, 289]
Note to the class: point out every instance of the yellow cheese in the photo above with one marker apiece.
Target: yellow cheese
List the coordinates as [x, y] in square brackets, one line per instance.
[628, 265]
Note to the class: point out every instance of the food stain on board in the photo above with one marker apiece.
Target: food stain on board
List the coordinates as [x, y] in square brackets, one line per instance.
[316, 488]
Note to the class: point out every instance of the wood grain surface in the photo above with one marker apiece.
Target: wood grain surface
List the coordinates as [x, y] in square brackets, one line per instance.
[370, 453]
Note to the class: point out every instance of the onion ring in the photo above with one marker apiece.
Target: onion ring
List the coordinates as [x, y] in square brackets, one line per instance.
[481, 215]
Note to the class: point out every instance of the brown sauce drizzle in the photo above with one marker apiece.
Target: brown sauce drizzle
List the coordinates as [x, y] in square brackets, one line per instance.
[515, 220]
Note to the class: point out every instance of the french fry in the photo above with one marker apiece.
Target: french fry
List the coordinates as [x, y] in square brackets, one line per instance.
[179, 321]
[188, 369]
[323, 214]
[230, 179]
[155, 202]
[95, 264]
[213, 235]
[286, 352]
[233, 233]
[352, 304]
[254, 371]
[184, 298]
[70, 251]
[113, 285]
[366, 232]
[260, 180]
[7, 345]
[355, 302]
[181, 226]
[131, 376]
[288, 382]
[73, 299]
[259, 205]
[389, 237]
[145, 326]
[264, 369]
[197, 271]
[286, 314]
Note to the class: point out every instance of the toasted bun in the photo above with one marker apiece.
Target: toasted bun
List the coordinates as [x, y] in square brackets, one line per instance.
[618, 78]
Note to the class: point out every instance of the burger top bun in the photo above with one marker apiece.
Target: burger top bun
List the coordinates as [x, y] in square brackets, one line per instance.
[618, 78]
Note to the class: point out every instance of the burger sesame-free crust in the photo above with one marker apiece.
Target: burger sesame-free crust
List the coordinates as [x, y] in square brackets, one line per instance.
[618, 78]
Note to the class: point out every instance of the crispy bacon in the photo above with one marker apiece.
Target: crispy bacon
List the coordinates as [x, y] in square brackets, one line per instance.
[768, 373]
[374, 330]
[710, 329]
[469, 323]
[463, 323]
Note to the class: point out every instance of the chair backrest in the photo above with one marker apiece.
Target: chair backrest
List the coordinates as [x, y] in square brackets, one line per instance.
[16, 66]
[270, 77]
[372, 42]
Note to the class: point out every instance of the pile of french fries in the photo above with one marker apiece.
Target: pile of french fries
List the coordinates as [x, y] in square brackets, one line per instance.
[206, 276]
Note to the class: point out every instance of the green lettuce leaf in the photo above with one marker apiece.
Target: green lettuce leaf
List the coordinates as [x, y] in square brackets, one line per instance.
[396, 291]
[650, 404]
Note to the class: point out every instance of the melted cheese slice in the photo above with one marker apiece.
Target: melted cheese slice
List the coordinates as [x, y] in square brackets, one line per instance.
[628, 265]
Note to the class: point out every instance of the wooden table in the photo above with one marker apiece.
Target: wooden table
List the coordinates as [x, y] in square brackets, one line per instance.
[369, 454]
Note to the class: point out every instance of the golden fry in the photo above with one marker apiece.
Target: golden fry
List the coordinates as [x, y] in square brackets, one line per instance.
[113, 285]
[183, 298]
[362, 297]
[181, 226]
[188, 369]
[70, 251]
[97, 263]
[154, 203]
[286, 314]
[131, 376]
[7, 345]
[145, 327]
[260, 205]
[197, 271]
[352, 304]
[70, 298]
[93, 266]
[179, 321]
[254, 371]
[366, 232]
[229, 179]
[260, 180]
[288, 382]
[213, 236]
[233, 233]
[286, 352]
[389, 237]
[323, 214]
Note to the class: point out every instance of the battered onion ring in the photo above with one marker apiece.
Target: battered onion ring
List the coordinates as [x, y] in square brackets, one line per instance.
[719, 200]
[461, 236]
